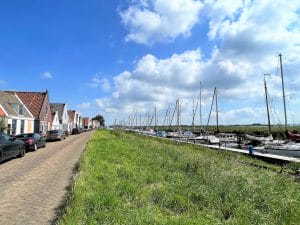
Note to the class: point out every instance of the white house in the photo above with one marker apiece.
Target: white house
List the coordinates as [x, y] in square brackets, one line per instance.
[17, 118]
[55, 121]
[63, 117]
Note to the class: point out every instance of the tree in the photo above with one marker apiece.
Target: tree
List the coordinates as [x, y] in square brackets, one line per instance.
[100, 119]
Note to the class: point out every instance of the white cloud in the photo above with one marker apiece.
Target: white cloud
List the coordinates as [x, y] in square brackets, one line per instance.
[248, 36]
[160, 20]
[46, 75]
[159, 82]
[96, 82]
[252, 28]
[84, 105]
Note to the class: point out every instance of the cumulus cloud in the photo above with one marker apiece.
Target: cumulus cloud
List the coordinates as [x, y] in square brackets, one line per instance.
[151, 21]
[159, 82]
[248, 36]
[46, 75]
[96, 82]
[253, 28]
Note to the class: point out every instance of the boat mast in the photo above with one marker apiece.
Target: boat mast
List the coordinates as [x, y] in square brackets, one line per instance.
[211, 108]
[217, 112]
[267, 103]
[155, 119]
[200, 103]
[178, 116]
[193, 120]
[166, 115]
[283, 92]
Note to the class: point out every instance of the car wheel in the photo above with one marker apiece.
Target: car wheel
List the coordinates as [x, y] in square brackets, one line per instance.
[35, 148]
[23, 151]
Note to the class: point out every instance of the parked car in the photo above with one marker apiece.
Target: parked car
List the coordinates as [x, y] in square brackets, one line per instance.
[32, 141]
[53, 135]
[10, 147]
[76, 131]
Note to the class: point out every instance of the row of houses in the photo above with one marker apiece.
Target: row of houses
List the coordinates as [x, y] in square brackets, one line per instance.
[27, 112]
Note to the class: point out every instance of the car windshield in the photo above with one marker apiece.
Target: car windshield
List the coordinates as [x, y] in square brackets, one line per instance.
[52, 131]
[24, 135]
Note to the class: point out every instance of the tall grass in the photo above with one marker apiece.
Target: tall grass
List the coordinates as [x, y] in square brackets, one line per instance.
[129, 179]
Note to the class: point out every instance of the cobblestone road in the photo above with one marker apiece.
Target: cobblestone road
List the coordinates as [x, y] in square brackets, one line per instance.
[33, 187]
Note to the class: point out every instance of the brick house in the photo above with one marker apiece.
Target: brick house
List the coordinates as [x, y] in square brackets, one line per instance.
[85, 122]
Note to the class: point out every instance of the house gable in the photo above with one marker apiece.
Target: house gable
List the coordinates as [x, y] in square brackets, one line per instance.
[55, 121]
[12, 106]
[62, 112]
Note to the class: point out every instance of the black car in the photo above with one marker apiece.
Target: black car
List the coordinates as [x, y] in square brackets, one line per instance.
[32, 141]
[52, 135]
[76, 131]
[10, 147]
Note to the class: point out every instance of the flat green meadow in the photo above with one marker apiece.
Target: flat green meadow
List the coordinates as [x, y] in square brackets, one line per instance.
[129, 179]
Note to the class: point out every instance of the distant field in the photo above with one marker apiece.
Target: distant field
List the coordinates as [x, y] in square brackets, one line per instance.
[130, 179]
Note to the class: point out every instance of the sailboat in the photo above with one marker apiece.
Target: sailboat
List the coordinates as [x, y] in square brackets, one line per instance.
[263, 140]
[208, 138]
[284, 148]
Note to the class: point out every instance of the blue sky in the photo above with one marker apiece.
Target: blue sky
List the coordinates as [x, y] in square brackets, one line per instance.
[116, 58]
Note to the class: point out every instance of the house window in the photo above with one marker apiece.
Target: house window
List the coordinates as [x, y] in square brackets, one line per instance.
[22, 126]
[21, 110]
[15, 107]
[14, 127]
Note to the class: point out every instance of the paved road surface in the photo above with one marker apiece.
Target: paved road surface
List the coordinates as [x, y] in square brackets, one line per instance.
[32, 188]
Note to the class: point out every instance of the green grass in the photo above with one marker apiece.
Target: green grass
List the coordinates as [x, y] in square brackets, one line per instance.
[130, 179]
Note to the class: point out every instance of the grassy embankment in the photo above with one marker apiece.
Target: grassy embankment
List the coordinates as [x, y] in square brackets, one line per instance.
[129, 179]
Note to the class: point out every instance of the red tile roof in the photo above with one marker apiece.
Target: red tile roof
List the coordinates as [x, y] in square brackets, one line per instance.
[33, 101]
[2, 113]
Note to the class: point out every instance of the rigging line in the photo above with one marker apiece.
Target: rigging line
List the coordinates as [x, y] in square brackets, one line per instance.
[277, 69]
[288, 75]
[287, 71]
[273, 110]
[171, 121]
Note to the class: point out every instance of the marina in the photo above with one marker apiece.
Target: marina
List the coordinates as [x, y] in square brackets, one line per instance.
[284, 146]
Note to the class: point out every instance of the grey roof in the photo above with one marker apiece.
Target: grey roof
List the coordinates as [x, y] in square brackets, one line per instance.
[58, 107]
[11, 103]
